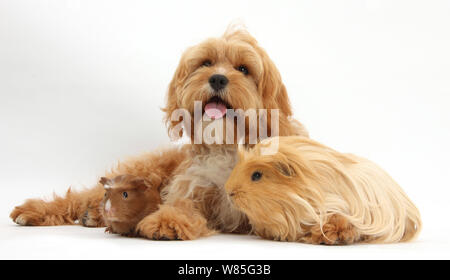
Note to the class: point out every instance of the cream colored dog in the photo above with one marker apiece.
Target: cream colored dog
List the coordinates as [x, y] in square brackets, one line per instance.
[229, 72]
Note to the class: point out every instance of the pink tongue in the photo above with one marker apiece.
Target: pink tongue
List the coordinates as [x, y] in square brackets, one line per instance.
[215, 110]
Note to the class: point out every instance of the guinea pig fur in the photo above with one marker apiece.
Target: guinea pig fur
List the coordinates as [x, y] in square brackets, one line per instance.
[310, 193]
[128, 199]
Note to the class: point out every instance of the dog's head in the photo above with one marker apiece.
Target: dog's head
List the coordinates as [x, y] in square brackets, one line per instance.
[230, 72]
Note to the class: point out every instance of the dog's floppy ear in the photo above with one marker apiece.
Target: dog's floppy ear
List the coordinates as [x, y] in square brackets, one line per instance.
[271, 86]
[178, 78]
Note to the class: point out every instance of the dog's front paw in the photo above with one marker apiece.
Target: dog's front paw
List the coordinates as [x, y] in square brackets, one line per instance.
[336, 231]
[173, 223]
[164, 226]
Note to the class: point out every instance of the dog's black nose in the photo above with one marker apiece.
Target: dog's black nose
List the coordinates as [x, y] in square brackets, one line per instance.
[218, 81]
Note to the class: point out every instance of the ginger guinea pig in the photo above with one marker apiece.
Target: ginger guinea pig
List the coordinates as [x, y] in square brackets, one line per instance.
[128, 199]
[310, 193]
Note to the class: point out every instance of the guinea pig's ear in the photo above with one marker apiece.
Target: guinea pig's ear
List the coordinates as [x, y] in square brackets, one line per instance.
[285, 168]
[156, 181]
[107, 183]
[140, 184]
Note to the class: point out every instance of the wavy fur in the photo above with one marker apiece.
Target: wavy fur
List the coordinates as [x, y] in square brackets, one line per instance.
[307, 187]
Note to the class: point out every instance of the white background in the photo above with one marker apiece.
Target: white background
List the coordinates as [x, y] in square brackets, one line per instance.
[81, 84]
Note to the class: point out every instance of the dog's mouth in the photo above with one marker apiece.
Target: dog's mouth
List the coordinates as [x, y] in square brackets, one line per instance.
[216, 108]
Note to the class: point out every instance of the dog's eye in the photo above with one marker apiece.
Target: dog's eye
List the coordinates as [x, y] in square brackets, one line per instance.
[256, 176]
[243, 69]
[207, 63]
[125, 194]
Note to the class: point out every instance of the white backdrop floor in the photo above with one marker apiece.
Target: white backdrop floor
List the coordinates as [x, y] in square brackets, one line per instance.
[76, 242]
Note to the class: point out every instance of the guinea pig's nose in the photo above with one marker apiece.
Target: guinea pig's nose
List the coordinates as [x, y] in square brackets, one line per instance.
[218, 82]
[233, 192]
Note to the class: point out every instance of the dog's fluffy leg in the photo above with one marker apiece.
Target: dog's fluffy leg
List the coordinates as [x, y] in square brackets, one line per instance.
[62, 210]
[177, 221]
[84, 206]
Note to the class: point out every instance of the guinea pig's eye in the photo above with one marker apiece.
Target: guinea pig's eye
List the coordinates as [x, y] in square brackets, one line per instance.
[207, 63]
[243, 69]
[256, 176]
[125, 194]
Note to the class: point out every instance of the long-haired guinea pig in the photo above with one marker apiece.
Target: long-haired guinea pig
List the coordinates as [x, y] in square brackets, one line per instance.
[310, 193]
[128, 199]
